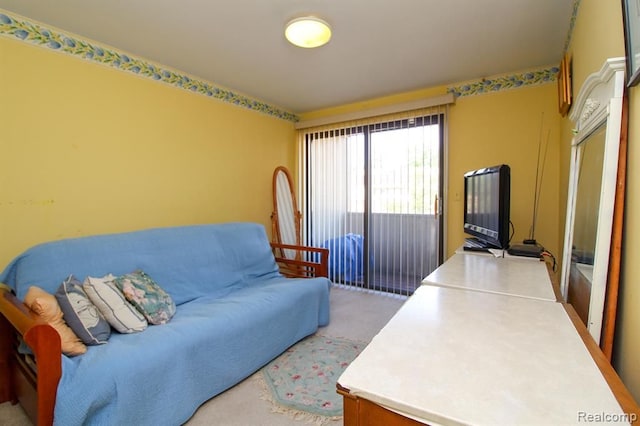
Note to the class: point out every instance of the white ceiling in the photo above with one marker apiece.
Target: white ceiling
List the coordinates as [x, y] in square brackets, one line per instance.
[379, 47]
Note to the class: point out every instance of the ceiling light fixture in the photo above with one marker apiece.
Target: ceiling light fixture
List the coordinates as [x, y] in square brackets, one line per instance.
[308, 32]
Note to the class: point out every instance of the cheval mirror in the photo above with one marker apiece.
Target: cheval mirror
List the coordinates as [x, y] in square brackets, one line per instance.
[593, 176]
[286, 217]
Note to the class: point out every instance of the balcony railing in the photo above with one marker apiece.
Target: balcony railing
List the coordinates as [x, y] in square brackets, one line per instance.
[402, 250]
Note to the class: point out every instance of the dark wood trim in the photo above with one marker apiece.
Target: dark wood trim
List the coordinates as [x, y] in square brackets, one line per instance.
[36, 391]
[6, 361]
[579, 293]
[615, 254]
[362, 412]
[315, 265]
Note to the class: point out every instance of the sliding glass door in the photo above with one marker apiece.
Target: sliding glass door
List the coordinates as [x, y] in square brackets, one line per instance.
[372, 197]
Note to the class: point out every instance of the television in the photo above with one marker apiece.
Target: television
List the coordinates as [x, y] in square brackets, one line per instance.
[486, 207]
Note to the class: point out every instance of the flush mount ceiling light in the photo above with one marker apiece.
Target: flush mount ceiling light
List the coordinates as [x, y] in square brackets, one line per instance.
[308, 32]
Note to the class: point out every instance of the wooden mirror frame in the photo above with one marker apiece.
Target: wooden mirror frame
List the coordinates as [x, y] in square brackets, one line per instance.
[286, 216]
[600, 102]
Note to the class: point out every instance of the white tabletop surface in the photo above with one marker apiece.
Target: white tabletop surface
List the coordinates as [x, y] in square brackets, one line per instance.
[453, 357]
[511, 276]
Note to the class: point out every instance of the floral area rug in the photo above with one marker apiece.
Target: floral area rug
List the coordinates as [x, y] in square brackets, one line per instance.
[302, 381]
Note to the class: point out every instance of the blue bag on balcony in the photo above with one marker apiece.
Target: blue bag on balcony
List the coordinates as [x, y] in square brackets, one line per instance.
[346, 258]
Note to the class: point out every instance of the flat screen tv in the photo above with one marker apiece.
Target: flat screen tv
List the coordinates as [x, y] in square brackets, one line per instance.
[486, 206]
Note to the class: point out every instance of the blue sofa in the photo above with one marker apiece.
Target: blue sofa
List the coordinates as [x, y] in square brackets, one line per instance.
[235, 312]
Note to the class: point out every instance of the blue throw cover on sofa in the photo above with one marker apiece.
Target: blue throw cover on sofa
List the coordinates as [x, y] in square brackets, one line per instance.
[235, 312]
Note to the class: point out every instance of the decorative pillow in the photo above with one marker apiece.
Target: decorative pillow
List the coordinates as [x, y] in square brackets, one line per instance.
[147, 296]
[80, 314]
[111, 303]
[46, 308]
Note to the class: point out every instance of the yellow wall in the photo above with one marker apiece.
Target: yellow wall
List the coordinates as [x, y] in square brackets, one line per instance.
[597, 35]
[88, 149]
[506, 127]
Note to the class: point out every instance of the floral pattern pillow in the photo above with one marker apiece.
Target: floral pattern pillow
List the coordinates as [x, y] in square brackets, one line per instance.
[147, 296]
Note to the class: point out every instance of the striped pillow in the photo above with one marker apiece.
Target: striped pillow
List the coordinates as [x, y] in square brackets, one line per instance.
[110, 301]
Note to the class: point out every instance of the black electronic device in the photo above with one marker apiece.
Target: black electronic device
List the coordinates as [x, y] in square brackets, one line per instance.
[476, 249]
[487, 194]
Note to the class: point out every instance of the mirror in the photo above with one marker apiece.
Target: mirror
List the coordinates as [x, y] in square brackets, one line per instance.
[597, 115]
[589, 162]
[286, 217]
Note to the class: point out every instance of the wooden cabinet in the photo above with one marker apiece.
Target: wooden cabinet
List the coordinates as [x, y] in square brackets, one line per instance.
[459, 353]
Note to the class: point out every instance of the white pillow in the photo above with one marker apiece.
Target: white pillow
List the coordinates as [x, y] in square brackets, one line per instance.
[111, 303]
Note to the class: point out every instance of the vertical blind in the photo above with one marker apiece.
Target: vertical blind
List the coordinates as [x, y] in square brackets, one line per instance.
[370, 190]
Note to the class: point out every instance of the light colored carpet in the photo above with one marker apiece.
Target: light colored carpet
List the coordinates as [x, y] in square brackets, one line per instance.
[355, 315]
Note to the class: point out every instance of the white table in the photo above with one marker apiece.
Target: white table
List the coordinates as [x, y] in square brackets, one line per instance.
[453, 357]
[514, 276]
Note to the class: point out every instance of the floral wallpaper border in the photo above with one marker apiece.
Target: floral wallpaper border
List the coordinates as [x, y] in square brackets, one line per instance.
[518, 80]
[495, 84]
[572, 23]
[54, 40]
[35, 34]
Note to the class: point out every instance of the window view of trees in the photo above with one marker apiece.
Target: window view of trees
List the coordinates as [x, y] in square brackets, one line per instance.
[404, 170]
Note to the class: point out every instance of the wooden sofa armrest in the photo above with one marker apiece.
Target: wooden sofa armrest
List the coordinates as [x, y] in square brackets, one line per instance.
[30, 380]
[305, 262]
